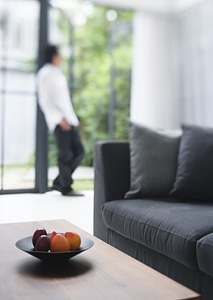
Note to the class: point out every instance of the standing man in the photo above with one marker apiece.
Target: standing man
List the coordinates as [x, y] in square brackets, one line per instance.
[55, 102]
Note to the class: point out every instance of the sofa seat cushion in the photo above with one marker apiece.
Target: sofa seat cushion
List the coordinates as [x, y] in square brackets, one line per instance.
[168, 227]
[205, 254]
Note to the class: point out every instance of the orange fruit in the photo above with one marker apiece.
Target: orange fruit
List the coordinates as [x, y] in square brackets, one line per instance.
[74, 240]
[52, 235]
[59, 243]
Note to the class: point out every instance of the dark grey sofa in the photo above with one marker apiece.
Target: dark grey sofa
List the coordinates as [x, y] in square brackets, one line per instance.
[170, 235]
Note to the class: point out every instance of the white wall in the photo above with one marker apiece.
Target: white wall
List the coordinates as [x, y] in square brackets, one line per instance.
[154, 93]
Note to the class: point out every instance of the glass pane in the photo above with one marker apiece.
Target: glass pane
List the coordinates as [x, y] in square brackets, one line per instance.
[17, 82]
[60, 33]
[18, 63]
[121, 56]
[19, 142]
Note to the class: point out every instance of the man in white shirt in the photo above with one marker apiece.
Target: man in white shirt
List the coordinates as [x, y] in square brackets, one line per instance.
[55, 102]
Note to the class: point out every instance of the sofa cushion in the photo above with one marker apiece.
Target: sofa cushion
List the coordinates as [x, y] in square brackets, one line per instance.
[168, 227]
[153, 161]
[205, 254]
[195, 164]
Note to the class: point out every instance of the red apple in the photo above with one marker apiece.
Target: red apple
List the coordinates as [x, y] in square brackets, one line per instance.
[37, 233]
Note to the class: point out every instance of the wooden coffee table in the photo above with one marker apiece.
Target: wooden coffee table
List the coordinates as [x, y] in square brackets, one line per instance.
[102, 272]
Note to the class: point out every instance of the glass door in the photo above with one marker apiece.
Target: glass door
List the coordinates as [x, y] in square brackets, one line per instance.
[19, 21]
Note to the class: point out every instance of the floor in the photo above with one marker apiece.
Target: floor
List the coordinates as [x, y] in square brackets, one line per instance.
[51, 205]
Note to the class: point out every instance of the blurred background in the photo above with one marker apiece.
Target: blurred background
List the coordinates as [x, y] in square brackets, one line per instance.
[148, 60]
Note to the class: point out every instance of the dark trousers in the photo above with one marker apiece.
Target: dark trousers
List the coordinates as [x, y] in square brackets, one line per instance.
[70, 155]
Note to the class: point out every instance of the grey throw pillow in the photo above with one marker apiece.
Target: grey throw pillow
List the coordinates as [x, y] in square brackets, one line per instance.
[195, 165]
[153, 161]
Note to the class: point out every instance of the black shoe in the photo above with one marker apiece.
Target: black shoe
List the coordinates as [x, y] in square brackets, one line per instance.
[57, 188]
[72, 193]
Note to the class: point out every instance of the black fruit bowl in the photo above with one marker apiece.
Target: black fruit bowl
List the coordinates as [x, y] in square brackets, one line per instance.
[26, 245]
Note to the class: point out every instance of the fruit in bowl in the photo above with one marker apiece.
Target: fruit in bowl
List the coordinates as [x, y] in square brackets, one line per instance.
[55, 242]
[59, 243]
[74, 240]
[52, 235]
[43, 243]
[37, 233]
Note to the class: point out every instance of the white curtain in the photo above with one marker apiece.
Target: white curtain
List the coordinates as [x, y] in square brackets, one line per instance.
[195, 40]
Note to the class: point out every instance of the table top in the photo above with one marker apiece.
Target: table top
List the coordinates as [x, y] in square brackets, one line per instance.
[101, 272]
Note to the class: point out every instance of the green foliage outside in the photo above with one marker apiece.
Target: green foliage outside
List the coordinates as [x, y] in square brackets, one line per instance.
[91, 78]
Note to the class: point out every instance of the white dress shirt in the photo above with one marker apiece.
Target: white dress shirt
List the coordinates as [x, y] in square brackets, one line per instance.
[53, 96]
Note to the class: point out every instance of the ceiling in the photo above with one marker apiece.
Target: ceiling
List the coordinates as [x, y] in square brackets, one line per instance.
[149, 5]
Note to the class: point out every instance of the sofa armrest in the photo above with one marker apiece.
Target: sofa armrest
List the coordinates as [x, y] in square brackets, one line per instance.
[112, 178]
